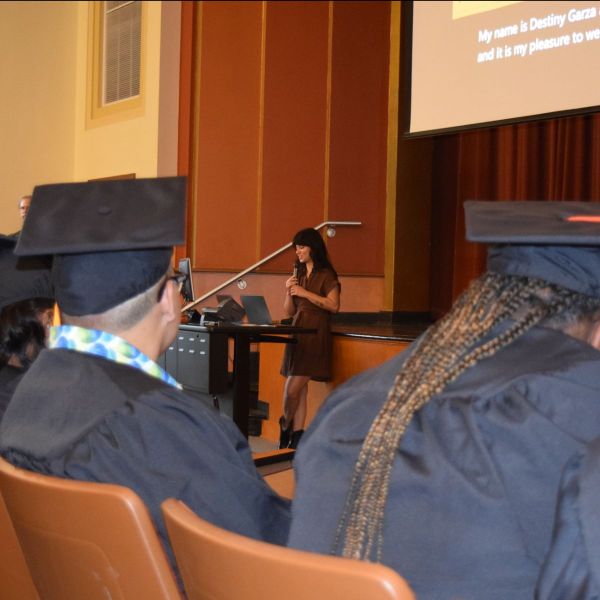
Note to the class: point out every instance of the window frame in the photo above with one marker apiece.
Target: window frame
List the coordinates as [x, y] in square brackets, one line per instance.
[97, 112]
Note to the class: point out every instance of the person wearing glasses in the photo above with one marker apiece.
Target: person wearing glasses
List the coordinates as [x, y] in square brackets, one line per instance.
[24, 204]
[96, 405]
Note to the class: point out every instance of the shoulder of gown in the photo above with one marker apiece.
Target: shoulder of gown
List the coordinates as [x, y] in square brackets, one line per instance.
[571, 570]
[494, 441]
[544, 364]
[87, 418]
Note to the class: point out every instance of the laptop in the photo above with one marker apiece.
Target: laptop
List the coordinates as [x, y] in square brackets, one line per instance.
[257, 310]
[228, 309]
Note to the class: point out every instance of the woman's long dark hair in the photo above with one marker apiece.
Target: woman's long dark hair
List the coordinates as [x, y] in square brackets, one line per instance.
[21, 333]
[318, 251]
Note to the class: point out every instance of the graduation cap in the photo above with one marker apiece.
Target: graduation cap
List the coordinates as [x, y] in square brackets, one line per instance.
[558, 242]
[111, 239]
[22, 278]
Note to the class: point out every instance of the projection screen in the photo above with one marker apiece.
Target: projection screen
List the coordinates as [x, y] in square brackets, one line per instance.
[484, 63]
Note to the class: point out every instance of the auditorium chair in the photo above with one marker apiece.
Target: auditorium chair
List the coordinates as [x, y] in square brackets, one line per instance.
[86, 540]
[216, 564]
[15, 580]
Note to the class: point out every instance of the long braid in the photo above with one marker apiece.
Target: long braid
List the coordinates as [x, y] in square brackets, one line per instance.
[447, 349]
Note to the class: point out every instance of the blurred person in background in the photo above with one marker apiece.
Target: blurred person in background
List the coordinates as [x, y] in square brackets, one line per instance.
[26, 307]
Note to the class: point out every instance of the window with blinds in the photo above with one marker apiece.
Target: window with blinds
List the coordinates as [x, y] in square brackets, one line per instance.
[122, 50]
[115, 83]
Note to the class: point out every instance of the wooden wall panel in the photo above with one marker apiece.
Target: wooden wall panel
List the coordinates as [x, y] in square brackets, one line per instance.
[295, 110]
[288, 129]
[227, 125]
[358, 154]
[350, 357]
[186, 95]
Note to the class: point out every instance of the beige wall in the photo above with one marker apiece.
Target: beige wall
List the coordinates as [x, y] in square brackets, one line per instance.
[131, 145]
[45, 137]
[37, 66]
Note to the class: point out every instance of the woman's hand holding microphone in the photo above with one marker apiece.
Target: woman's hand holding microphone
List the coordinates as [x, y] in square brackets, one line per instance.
[293, 288]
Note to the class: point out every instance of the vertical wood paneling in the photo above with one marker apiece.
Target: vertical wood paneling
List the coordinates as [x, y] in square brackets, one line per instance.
[295, 105]
[350, 357]
[227, 148]
[358, 153]
[185, 114]
[290, 126]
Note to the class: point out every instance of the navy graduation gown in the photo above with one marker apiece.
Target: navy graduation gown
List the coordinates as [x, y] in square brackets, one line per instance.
[572, 567]
[85, 417]
[474, 483]
[9, 379]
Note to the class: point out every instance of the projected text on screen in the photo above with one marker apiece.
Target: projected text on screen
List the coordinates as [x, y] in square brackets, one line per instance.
[492, 62]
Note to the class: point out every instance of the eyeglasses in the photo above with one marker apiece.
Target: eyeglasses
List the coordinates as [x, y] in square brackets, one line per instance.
[178, 278]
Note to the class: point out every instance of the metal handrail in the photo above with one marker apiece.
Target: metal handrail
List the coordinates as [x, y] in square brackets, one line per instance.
[332, 224]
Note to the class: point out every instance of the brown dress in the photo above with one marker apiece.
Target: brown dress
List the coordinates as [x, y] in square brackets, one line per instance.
[311, 354]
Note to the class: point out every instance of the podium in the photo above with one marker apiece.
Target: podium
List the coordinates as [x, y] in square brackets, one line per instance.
[197, 359]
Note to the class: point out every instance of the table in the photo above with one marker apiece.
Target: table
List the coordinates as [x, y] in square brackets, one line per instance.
[243, 335]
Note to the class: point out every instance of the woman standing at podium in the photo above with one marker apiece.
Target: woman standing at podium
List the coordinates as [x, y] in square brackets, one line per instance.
[312, 295]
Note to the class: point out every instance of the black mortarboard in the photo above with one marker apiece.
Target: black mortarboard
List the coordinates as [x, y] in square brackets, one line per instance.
[22, 278]
[111, 239]
[558, 242]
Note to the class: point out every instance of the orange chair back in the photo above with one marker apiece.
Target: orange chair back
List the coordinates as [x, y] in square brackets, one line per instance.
[15, 580]
[216, 564]
[86, 540]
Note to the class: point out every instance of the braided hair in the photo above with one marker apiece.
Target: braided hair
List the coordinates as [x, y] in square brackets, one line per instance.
[452, 345]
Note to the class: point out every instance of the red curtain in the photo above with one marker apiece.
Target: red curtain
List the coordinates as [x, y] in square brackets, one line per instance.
[555, 159]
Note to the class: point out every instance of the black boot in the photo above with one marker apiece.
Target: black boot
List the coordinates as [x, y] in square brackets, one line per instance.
[295, 439]
[284, 434]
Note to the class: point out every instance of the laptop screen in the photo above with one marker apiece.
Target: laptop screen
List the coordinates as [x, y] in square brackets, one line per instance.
[257, 310]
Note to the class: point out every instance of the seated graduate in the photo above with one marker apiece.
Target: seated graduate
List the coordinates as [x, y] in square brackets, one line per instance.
[572, 567]
[444, 463]
[25, 314]
[95, 405]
